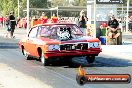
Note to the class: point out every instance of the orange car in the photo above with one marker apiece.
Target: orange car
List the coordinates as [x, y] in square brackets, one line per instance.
[51, 41]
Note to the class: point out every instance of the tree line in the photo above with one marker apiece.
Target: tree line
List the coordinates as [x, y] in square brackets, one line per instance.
[12, 5]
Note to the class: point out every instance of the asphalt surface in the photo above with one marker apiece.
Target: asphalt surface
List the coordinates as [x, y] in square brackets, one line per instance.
[127, 39]
[60, 75]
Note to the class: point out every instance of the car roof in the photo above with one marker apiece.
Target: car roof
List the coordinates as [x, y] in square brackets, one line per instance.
[50, 24]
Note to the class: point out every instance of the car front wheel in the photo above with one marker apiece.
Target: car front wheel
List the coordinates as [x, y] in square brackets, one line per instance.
[90, 59]
[44, 60]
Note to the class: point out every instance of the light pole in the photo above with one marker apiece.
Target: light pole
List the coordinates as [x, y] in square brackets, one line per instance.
[89, 9]
[127, 15]
[28, 16]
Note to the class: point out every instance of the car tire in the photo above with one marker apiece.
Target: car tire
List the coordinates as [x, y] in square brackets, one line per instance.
[44, 60]
[90, 59]
[26, 55]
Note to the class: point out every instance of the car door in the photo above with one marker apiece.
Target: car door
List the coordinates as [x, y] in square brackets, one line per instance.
[31, 46]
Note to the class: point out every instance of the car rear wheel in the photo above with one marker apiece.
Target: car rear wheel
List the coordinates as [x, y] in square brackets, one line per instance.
[44, 60]
[26, 54]
[90, 59]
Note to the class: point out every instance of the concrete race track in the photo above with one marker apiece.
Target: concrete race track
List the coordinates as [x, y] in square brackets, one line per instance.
[17, 72]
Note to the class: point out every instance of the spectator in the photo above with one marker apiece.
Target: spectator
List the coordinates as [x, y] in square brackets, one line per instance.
[1, 21]
[18, 20]
[113, 26]
[7, 25]
[44, 18]
[120, 22]
[35, 21]
[12, 23]
[82, 22]
[24, 22]
[98, 31]
[54, 19]
[130, 24]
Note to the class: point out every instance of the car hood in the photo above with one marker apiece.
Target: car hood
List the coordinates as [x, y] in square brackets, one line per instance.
[81, 39]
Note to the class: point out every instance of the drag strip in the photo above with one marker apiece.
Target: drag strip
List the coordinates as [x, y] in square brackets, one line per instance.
[60, 74]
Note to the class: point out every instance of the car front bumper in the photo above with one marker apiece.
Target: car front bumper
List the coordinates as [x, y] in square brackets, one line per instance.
[72, 53]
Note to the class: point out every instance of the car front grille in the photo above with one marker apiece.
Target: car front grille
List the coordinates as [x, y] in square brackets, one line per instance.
[79, 46]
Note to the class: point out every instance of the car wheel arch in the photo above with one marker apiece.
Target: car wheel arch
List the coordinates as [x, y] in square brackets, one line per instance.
[39, 51]
[22, 47]
[44, 60]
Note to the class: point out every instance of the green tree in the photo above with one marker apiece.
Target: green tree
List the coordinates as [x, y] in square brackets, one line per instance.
[38, 3]
[125, 2]
[79, 2]
[55, 3]
[8, 5]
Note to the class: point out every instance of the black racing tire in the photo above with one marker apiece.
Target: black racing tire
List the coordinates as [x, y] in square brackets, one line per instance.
[90, 59]
[44, 60]
[26, 54]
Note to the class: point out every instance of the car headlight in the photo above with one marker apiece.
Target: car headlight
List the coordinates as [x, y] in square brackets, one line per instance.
[53, 47]
[94, 45]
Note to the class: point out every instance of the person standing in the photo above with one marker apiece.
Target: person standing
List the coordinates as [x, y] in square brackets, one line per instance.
[7, 25]
[82, 22]
[54, 19]
[1, 21]
[130, 24]
[12, 24]
[44, 18]
[120, 23]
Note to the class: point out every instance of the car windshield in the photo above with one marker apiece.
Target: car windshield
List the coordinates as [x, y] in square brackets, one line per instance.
[61, 32]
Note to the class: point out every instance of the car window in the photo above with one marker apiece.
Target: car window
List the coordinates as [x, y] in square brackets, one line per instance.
[33, 32]
[45, 32]
[60, 32]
